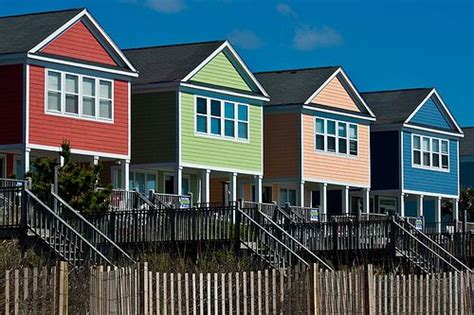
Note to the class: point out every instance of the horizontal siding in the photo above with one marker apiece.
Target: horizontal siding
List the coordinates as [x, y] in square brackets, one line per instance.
[11, 104]
[281, 146]
[154, 128]
[430, 115]
[335, 95]
[333, 167]
[217, 152]
[220, 71]
[430, 180]
[51, 130]
[78, 42]
[467, 174]
[385, 160]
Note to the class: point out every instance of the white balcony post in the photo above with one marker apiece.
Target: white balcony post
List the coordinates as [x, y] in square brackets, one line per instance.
[366, 200]
[438, 215]
[125, 174]
[300, 190]
[258, 188]
[26, 160]
[178, 180]
[345, 200]
[323, 199]
[419, 206]
[199, 189]
[206, 186]
[233, 187]
[455, 210]
[61, 160]
[402, 204]
[96, 160]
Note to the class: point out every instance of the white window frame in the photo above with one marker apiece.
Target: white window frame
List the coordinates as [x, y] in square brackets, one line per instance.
[326, 135]
[80, 94]
[222, 119]
[430, 151]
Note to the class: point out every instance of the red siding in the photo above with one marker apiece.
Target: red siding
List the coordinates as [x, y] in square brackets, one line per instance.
[11, 104]
[78, 42]
[83, 134]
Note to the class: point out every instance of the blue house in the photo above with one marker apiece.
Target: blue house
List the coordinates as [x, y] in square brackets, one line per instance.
[467, 158]
[415, 156]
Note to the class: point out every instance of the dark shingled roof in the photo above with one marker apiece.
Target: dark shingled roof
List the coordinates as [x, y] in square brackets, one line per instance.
[467, 143]
[169, 63]
[20, 33]
[287, 87]
[391, 107]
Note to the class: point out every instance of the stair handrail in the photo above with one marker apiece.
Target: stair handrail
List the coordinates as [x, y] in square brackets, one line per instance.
[63, 222]
[272, 236]
[437, 245]
[423, 244]
[95, 229]
[273, 205]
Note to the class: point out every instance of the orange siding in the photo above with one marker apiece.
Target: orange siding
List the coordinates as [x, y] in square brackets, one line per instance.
[335, 95]
[51, 130]
[281, 145]
[331, 167]
[78, 42]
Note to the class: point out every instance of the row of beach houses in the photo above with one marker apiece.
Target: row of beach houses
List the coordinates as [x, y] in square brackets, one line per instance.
[194, 119]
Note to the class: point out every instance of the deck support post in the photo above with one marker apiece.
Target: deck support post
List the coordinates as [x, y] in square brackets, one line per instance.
[366, 201]
[258, 188]
[324, 201]
[125, 174]
[26, 161]
[206, 186]
[438, 215]
[455, 213]
[233, 188]
[345, 200]
[419, 206]
[178, 180]
[300, 201]
[402, 204]
[96, 160]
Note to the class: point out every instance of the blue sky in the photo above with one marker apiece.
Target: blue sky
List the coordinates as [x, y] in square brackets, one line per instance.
[384, 44]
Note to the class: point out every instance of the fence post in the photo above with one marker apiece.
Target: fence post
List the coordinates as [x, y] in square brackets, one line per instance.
[370, 292]
[143, 285]
[63, 288]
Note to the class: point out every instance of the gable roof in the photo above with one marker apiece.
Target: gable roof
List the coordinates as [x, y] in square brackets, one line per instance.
[467, 143]
[20, 33]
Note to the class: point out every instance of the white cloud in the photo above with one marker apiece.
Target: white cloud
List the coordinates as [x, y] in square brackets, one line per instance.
[309, 38]
[285, 9]
[246, 39]
[167, 6]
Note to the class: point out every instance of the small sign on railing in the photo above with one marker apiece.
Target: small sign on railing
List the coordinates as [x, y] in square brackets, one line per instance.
[419, 223]
[185, 202]
[314, 215]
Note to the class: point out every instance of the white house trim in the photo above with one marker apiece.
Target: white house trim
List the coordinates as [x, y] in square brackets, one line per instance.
[80, 151]
[428, 194]
[221, 169]
[447, 133]
[332, 182]
[255, 97]
[335, 112]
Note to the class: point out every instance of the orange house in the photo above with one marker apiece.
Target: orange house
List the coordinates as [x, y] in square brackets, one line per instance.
[317, 140]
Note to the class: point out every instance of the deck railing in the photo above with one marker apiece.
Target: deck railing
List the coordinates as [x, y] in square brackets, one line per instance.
[10, 202]
[129, 200]
[171, 200]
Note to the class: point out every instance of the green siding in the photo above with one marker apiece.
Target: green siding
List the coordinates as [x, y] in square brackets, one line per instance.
[220, 71]
[217, 152]
[154, 127]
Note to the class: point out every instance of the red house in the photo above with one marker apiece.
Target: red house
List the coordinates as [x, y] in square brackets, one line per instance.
[62, 77]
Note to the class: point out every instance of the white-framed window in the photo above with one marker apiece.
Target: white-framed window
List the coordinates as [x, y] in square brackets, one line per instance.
[79, 96]
[336, 137]
[287, 195]
[142, 181]
[430, 153]
[220, 118]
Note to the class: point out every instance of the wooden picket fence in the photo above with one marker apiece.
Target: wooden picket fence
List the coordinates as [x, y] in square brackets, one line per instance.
[138, 290]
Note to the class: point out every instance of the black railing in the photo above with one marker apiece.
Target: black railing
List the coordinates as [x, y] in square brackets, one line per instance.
[129, 200]
[167, 201]
[11, 202]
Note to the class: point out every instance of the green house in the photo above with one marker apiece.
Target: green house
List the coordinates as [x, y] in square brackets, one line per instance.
[197, 122]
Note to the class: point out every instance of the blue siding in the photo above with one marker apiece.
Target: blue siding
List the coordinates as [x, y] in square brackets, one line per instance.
[385, 160]
[430, 115]
[467, 173]
[431, 181]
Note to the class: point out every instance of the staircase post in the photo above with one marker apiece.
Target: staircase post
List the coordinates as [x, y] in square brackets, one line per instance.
[238, 220]
[24, 212]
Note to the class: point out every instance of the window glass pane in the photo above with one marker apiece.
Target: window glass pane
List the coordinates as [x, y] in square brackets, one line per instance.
[435, 159]
[54, 80]
[88, 86]
[426, 159]
[243, 130]
[319, 142]
[140, 182]
[105, 110]
[185, 186]
[243, 113]
[283, 196]
[72, 85]
[353, 147]
[105, 89]
[444, 161]
[229, 128]
[331, 125]
[215, 108]
[435, 144]
[426, 144]
[150, 182]
[342, 146]
[353, 131]
[319, 125]
[88, 106]
[342, 129]
[54, 101]
[201, 105]
[444, 146]
[229, 110]
[417, 157]
[72, 104]
[292, 196]
[215, 126]
[416, 142]
[201, 123]
[332, 144]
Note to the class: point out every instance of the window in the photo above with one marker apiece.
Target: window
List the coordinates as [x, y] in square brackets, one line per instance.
[142, 181]
[222, 119]
[336, 136]
[287, 195]
[79, 96]
[430, 152]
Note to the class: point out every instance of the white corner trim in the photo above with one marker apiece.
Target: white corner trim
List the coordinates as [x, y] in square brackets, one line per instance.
[226, 44]
[71, 22]
[447, 133]
[26, 105]
[335, 112]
